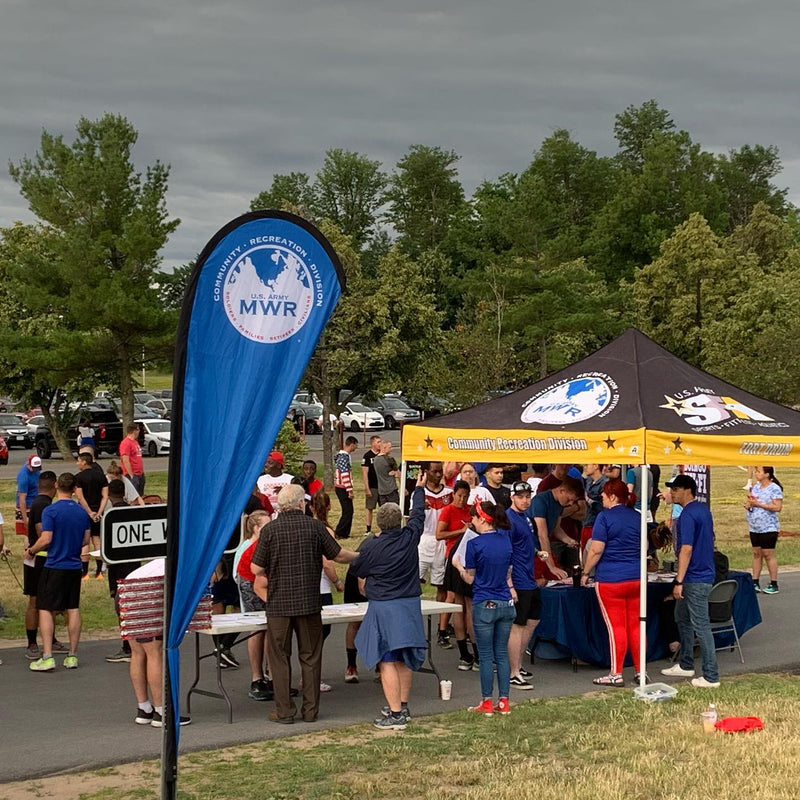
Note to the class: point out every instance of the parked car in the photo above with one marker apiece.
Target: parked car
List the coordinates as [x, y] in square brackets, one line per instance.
[140, 411]
[355, 417]
[15, 432]
[306, 397]
[3, 452]
[154, 436]
[164, 394]
[161, 407]
[32, 423]
[107, 432]
[143, 397]
[395, 411]
[310, 413]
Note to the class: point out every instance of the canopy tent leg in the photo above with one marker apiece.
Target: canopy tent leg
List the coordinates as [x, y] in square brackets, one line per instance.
[645, 506]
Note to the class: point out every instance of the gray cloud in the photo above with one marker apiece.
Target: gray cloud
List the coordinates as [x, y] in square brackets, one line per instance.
[231, 93]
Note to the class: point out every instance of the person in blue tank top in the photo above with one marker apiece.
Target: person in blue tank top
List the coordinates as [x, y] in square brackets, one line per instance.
[487, 566]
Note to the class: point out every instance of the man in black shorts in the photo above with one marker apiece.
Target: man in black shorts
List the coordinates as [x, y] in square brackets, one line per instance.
[370, 478]
[91, 491]
[525, 590]
[65, 534]
[32, 568]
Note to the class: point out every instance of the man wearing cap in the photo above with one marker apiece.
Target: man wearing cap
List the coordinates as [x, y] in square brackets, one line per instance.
[694, 546]
[524, 589]
[27, 489]
[274, 478]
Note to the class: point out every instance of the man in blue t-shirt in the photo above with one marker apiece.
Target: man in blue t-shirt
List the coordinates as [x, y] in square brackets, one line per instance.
[546, 511]
[694, 546]
[528, 601]
[27, 489]
[65, 529]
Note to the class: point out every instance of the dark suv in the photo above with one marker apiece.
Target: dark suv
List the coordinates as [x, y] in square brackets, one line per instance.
[107, 433]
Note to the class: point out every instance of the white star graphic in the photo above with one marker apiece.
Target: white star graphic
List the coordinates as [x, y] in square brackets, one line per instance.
[666, 449]
[620, 449]
[599, 448]
[687, 449]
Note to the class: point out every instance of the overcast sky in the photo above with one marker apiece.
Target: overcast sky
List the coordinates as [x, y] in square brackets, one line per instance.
[231, 92]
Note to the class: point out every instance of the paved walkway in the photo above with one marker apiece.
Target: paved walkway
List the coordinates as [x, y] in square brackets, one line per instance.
[83, 719]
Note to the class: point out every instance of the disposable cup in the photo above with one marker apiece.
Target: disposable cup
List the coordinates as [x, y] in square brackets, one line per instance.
[709, 721]
[445, 688]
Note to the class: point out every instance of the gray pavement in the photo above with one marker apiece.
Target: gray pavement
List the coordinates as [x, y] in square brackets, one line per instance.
[70, 721]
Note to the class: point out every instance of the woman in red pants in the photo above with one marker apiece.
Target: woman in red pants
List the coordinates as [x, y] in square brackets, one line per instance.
[614, 555]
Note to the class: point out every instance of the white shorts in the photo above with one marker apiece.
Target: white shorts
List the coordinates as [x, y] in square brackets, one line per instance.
[431, 557]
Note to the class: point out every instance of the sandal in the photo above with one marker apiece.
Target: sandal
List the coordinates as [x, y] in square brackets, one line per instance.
[609, 680]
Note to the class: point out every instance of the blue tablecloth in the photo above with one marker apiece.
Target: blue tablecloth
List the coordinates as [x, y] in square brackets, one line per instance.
[572, 625]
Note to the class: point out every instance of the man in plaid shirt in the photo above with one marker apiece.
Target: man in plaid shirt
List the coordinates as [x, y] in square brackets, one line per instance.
[289, 552]
[343, 483]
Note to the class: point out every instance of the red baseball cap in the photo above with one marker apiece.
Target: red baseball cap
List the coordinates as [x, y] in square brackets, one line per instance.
[276, 456]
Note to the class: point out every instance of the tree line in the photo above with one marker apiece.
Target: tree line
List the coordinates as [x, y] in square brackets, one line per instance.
[448, 294]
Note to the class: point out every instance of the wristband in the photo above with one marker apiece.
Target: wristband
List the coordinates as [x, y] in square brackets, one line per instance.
[676, 582]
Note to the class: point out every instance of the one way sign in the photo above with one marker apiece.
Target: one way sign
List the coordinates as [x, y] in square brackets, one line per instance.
[134, 533]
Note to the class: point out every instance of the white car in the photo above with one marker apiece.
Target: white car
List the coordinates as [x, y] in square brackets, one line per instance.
[356, 417]
[156, 434]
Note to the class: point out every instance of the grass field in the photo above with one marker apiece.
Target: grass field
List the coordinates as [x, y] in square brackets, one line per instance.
[607, 745]
[727, 495]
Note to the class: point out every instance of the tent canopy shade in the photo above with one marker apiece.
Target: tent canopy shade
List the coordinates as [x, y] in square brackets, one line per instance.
[630, 402]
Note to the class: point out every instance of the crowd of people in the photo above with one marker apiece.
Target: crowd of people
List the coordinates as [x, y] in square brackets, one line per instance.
[487, 537]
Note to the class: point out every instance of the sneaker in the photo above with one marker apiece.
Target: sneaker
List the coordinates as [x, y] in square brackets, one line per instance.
[60, 647]
[465, 665]
[386, 712]
[259, 690]
[390, 723]
[32, 652]
[158, 722]
[118, 657]
[43, 664]
[771, 589]
[71, 662]
[85, 577]
[226, 657]
[324, 687]
[637, 675]
[702, 683]
[525, 673]
[144, 717]
[519, 682]
[677, 671]
[503, 707]
[757, 587]
[485, 707]
[351, 675]
[444, 641]
[98, 576]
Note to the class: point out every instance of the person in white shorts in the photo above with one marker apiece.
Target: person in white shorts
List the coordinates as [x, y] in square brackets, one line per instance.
[432, 559]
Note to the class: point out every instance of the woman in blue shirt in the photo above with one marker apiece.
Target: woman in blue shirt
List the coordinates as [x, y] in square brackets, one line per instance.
[614, 552]
[488, 568]
[763, 505]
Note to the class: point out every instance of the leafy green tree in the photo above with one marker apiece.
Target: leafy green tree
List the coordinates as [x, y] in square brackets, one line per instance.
[636, 127]
[687, 286]
[293, 189]
[172, 285]
[41, 352]
[102, 226]
[348, 190]
[423, 196]
[746, 175]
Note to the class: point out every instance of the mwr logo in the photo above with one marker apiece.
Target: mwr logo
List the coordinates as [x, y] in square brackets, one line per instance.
[268, 293]
[704, 408]
[573, 400]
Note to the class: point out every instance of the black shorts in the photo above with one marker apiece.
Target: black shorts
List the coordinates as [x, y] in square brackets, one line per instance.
[118, 572]
[766, 541]
[59, 589]
[225, 591]
[31, 576]
[351, 593]
[453, 582]
[529, 606]
[95, 528]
